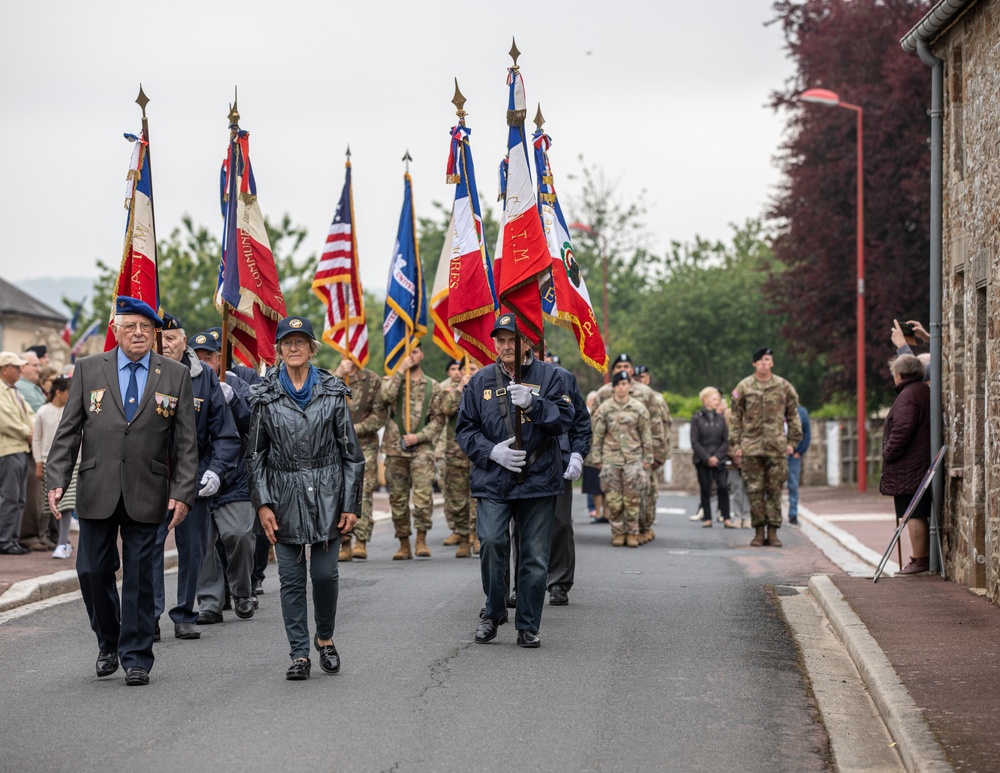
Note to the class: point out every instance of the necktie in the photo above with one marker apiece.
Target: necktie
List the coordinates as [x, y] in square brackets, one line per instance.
[132, 393]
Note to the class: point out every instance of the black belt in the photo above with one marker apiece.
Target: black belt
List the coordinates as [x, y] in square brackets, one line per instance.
[306, 464]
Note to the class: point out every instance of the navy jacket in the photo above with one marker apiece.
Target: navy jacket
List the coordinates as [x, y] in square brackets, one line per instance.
[218, 441]
[577, 439]
[803, 445]
[237, 487]
[480, 426]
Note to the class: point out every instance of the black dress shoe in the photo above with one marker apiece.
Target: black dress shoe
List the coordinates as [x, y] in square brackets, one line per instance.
[487, 630]
[528, 639]
[186, 631]
[156, 631]
[299, 670]
[107, 663]
[136, 677]
[512, 601]
[208, 617]
[558, 597]
[329, 659]
[258, 588]
[256, 603]
[244, 608]
[14, 549]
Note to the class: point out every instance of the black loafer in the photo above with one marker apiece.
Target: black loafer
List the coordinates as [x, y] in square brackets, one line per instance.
[299, 670]
[329, 659]
[487, 630]
[244, 608]
[528, 639]
[107, 663]
[558, 597]
[208, 617]
[136, 677]
[186, 631]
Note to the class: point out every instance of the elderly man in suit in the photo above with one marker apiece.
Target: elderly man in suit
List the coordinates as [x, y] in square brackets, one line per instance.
[132, 412]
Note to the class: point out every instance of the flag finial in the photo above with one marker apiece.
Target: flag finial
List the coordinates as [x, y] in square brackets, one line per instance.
[234, 114]
[514, 53]
[407, 158]
[459, 102]
[142, 100]
[539, 118]
[348, 150]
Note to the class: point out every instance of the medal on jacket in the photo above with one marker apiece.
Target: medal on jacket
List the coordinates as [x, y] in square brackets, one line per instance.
[165, 404]
[96, 395]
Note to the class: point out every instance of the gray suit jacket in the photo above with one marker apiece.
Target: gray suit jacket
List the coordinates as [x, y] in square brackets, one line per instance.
[148, 462]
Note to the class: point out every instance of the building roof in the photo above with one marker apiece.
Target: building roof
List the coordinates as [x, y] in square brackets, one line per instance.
[16, 301]
[936, 20]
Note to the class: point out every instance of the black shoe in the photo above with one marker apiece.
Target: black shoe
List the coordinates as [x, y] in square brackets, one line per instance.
[558, 597]
[528, 639]
[512, 601]
[244, 608]
[793, 521]
[258, 588]
[482, 613]
[136, 677]
[208, 617]
[228, 603]
[487, 630]
[186, 631]
[256, 603]
[156, 631]
[299, 670]
[107, 663]
[14, 549]
[329, 660]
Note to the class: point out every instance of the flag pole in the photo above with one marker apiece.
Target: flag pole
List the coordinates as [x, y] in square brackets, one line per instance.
[406, 160]
[514, 54]
[539, 120]
[347, 341]
[459, 102]
[234, 130]
[142, 100]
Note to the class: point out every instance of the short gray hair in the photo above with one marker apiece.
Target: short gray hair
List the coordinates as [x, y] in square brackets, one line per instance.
[906, 366]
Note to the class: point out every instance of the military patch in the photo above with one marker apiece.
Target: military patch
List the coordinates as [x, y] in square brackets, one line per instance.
[197, 403]
[295, 323]
[487, 394]
[200, 339]
[736, 394]
[505, 320]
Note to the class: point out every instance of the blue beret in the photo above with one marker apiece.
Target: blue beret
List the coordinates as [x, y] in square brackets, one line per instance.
[126, 305]
[170, 322]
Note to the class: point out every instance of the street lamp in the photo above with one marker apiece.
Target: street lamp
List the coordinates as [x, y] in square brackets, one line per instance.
[603, 246]
[830, 99]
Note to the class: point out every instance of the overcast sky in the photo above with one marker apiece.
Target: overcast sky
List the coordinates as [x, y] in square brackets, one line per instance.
[664, 96]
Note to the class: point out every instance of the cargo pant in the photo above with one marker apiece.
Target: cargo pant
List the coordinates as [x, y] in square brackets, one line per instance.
[369, 446]
[647, 513]
[405, 474]
[764, 477]
[459, 506]
[624, 486]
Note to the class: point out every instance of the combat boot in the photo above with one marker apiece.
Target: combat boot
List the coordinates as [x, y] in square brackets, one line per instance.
[651, 535]
[618, 541]
[451, 539]
[758, 539]
[464, 547]
[345, 549]
[632, 540]
[772, 537]
[404, 550]
[359, 551]
[421, 548]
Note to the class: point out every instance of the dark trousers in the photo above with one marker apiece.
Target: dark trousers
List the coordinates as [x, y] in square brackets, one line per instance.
[124, 626]
[191, 538]
[533, 518]
[706, 476]
[562, 551]
[13, 487]
[262, 550]
[325, 575]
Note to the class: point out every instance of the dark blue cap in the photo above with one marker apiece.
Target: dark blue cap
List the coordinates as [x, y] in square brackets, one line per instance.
[215, 332]
[126, 305]
[170, 322]
[505, 322]
[206, 342]
[621, 375]
[290, 325]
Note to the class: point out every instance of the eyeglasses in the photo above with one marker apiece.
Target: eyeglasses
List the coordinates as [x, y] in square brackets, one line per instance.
[130, 327]
[296, 343]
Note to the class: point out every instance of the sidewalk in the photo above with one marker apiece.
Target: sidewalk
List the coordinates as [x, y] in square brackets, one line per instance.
[942, 640]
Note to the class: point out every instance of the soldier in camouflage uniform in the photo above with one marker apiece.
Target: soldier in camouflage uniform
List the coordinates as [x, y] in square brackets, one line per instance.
[368, 414]
[661, 440]
[623, 451]
[459, 506]
[412, 468]
[656, 471]
[763, 406]
[454, 379]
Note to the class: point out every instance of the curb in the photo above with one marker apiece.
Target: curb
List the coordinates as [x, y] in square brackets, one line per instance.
[916, 744]
[848, 541]
[55, 584]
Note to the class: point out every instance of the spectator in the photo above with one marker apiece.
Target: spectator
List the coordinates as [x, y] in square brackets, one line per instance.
[709, 451]
[16, 422]
[46, 421]
[795, 468]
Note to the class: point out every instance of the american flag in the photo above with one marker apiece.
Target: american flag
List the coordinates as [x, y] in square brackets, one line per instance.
[338, 283]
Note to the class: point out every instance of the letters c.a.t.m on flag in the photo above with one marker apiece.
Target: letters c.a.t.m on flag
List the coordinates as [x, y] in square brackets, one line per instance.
[566, 301]
[137, 277]
[338, 282]
[249, 293]
[464, 298]
[522, 262]
[405, 318]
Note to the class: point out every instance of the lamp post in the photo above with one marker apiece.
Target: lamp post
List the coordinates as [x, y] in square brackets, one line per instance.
[831, 99]
[603, 246]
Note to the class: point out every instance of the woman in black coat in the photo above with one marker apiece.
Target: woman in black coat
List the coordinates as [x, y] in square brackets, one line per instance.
[306, 471]
[906, 454]
[709, 448]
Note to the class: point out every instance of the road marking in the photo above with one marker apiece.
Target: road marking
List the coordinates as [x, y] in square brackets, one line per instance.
[859, 517]
[671, 511]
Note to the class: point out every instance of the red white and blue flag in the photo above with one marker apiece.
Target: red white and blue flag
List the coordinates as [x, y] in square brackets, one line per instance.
[137, 277]
[248, 290]
[72, 323]
[338, 283]
[566, 301]
[463, 302]
[92, 329]
[522, 259]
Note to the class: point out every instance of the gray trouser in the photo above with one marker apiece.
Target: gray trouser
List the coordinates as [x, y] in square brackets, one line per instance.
[13, 488]
[233, 524]
[738, 502]
[325, 576]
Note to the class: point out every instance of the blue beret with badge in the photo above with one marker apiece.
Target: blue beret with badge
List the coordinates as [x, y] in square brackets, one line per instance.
[126, 305]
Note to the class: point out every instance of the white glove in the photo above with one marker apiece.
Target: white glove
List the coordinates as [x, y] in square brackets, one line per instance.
[209, 484]
[227, 391]
[575, 467]
[507, 457]
[520, 395]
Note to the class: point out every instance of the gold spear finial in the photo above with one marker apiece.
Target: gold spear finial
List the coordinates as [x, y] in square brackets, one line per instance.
[514, 53]
[459, 102]
[234, 115]
[407, 158]
[142, 100]
[539, 118]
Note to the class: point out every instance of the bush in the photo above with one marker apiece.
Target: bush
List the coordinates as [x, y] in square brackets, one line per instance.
[681, 406]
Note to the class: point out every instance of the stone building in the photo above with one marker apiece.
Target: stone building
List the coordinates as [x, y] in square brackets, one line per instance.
[965, 36]
[26, 321]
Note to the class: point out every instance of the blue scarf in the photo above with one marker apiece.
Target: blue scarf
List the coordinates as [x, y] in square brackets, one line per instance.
[300, 396]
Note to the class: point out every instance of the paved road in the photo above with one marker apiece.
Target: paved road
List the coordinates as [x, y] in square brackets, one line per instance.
[670, 657]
